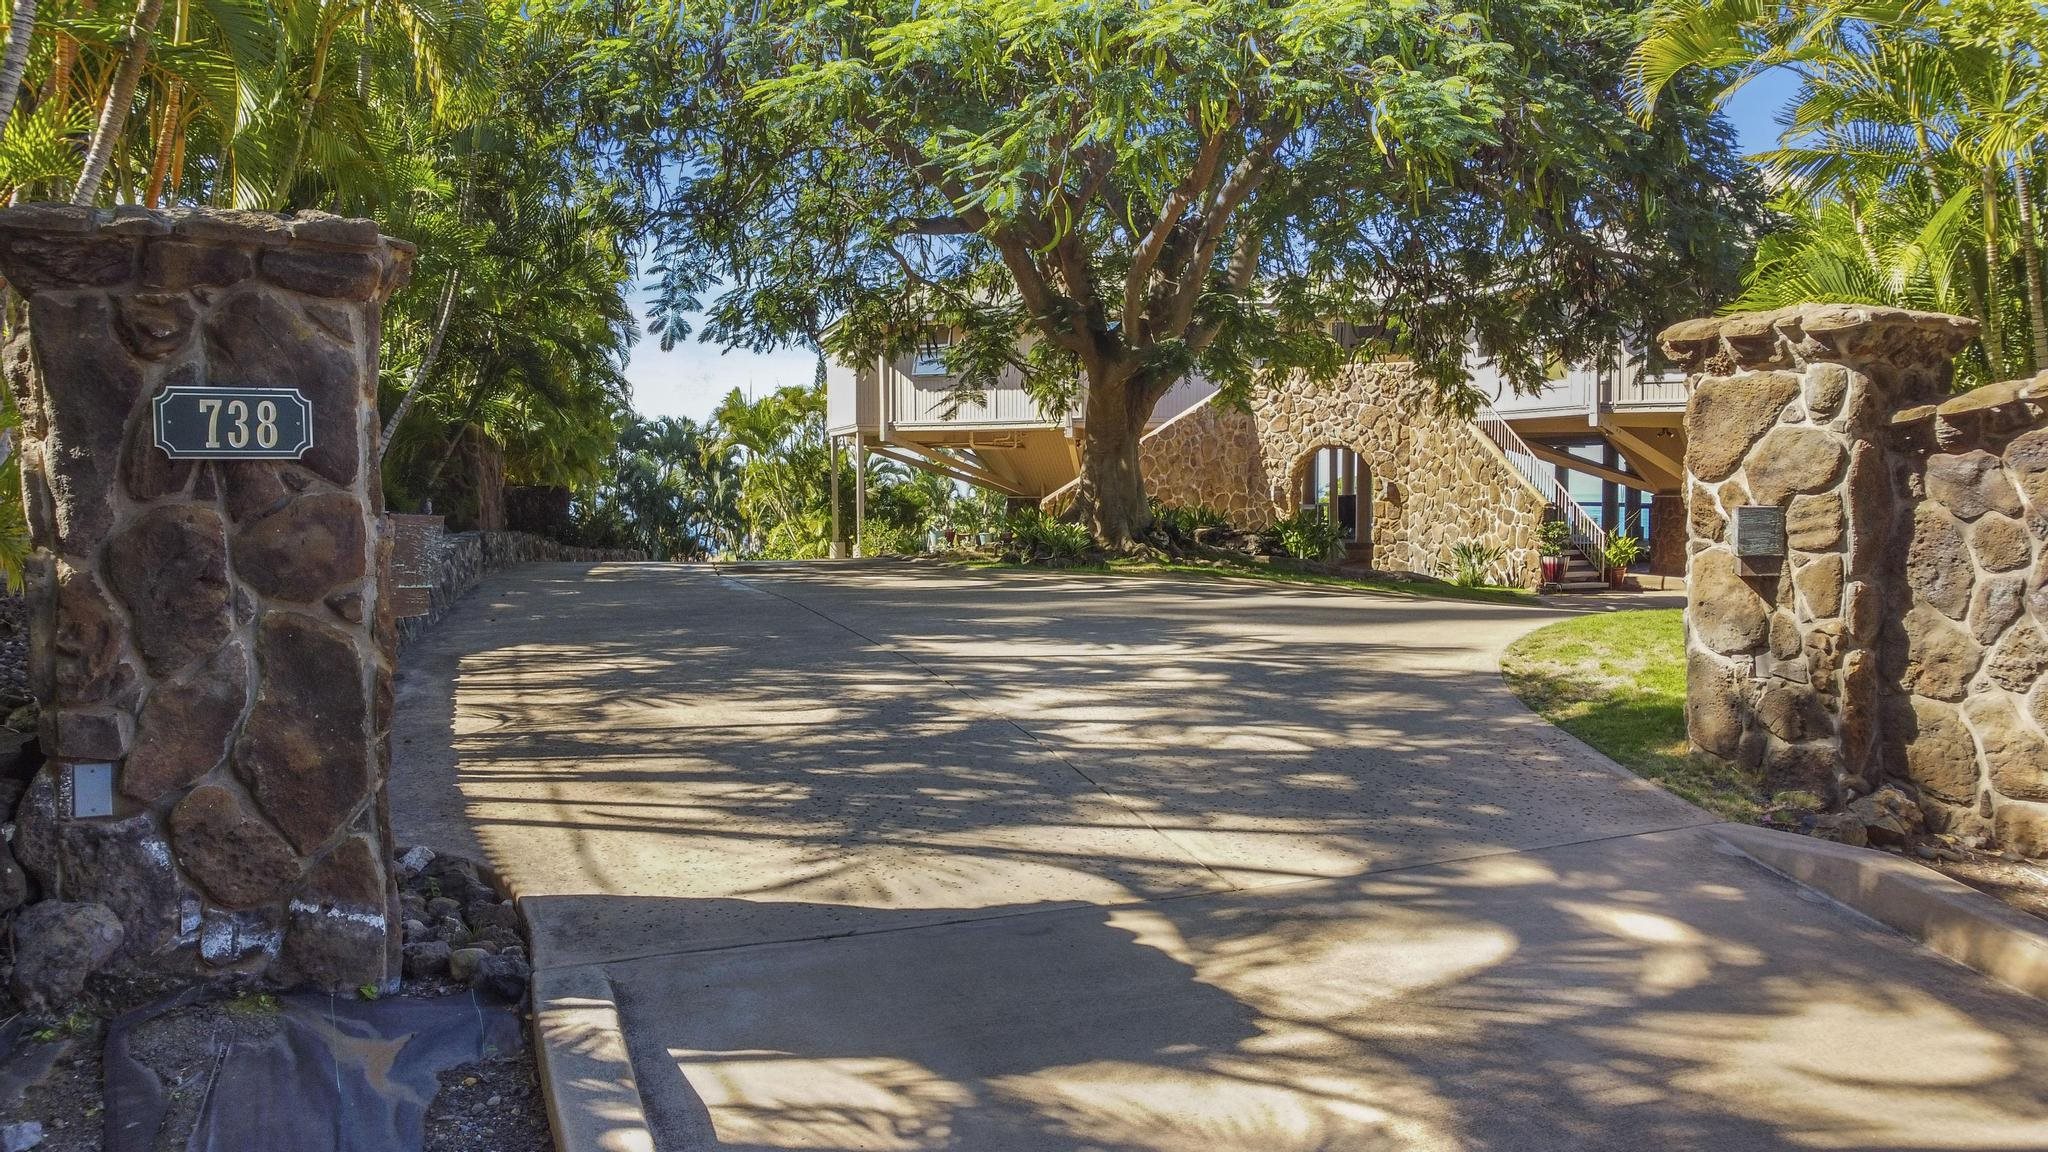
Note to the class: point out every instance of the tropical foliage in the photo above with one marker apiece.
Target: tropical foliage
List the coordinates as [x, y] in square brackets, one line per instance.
[1909, 167]
[435, 117]
[755, 481]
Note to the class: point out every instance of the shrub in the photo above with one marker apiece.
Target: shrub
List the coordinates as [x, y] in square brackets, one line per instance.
[1472, 562]
[1623, 550]
[1036, 538]
[1309, 535]
[891, 540]
[1184, 521]
[1554, 538]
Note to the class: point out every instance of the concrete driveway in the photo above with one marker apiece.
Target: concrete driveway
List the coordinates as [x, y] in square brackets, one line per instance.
[874, 856]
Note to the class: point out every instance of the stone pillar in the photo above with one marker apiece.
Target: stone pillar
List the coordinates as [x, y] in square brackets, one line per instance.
[1967, 726]
[210, 633]
[1789, 410]
[1667, 534]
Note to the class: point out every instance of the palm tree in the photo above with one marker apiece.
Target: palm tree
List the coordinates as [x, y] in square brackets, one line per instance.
[1910, 143]
[21, 28]
[119, 101]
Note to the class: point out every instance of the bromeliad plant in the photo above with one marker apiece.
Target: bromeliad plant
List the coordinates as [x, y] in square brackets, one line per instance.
[1309, 535]
[1473, 563]
[1623, 550]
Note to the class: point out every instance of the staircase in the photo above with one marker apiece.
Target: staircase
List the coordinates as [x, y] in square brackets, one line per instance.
[1588, 538]
[1580, 575]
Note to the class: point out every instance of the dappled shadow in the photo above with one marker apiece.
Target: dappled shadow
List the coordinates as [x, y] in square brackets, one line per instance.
[892, 858]
[1591, 997]
[888, 738]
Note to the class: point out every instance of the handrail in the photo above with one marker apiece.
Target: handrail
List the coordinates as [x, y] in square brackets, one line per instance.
[1587, 535]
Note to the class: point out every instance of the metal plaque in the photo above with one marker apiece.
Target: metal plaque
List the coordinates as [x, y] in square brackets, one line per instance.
[233, 423]
[92, 790]
[1759, 532]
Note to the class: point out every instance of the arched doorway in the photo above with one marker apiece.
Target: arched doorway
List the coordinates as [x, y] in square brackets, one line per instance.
[1333, 480]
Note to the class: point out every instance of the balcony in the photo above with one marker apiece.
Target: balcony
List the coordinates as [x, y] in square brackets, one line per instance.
[1586, 392]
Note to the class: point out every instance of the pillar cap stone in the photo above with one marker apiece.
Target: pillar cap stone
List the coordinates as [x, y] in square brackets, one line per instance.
[61, 247]
[1993, 396]
[1755, 340]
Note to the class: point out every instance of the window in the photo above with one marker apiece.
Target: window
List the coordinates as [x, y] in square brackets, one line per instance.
[931, 354]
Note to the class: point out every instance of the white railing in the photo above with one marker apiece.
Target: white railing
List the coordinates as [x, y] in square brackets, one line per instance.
[1587, 535]
[931, 401]
[1190, 393]
[1663, 390]
[1583, 389]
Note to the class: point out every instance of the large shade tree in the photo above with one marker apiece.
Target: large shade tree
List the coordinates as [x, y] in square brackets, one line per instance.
[1111, 194]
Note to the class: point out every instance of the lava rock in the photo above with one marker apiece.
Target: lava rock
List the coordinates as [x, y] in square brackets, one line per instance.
[493, 914]
[57, 945]
[13, 881]
[414, 861]
[20, 1137]
[465, 963]
[427, 959]
[502, 976]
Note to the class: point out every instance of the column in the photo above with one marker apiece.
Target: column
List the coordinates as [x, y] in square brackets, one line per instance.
[209, 640]
[1786, 424]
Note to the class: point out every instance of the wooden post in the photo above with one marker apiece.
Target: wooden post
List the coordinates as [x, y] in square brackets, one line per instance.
[860, 490]
[838, 549]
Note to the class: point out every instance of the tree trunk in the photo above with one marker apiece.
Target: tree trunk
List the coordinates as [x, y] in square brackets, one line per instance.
[167, 136]
[1111, 494]
[120, 97]
[1994, 333]
[19, 31]
[282, 194]
[2030, 253]
[426, 366]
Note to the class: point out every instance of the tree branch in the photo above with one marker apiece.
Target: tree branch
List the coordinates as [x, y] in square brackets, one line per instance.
[930, 226]
[1147, 253]
[1244, 179]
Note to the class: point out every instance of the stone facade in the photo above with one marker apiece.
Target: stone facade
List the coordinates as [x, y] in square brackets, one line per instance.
[210, 630]
[1434, 480]
[1901, 639]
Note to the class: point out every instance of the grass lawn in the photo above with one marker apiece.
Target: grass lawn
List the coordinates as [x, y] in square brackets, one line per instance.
[1617, 681]
[1223, 570]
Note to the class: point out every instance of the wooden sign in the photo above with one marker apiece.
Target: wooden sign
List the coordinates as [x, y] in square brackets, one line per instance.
[233, 423]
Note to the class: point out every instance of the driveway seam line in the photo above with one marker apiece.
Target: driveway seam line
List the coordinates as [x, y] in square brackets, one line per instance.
[982, 708]
[1142, 902]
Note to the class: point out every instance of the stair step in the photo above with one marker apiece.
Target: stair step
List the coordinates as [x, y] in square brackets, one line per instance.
[1582, 585]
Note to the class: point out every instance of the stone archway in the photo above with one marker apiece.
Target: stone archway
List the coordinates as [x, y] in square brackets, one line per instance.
[1336, 479]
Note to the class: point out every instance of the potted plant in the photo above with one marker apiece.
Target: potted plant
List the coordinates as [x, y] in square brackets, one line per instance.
[1552, 538]
[1623, 550]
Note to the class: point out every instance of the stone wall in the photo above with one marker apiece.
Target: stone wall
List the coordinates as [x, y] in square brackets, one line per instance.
[460, 560]
[1963, 634]
[1899, 640]
[1435, 480]
[210, 630]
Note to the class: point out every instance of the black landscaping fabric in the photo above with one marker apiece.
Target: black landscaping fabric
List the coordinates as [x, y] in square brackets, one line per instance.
[340, 1074]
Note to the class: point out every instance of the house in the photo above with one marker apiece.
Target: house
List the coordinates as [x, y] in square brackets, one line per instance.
[1602, 449]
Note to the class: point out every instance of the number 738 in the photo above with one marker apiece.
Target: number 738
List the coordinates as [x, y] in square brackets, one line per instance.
[239, 431]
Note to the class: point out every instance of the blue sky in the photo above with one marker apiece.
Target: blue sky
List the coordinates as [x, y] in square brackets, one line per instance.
[689, 379]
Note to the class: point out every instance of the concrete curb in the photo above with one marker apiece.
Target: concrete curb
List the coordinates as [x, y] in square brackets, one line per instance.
[1961, 923]
[585, 1072]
